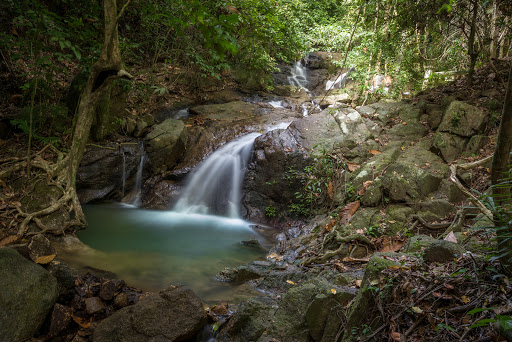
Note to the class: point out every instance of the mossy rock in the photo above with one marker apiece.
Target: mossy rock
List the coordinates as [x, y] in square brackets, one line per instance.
[376, 165]
[449, 146]
[417, 243]
[435, 210]
[442, 251]
[398, 217]
[463, 119]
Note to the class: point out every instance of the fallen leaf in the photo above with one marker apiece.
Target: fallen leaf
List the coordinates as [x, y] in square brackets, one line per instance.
[391, 244]
[366, 185]
[348, 211]
[333, 291]
[464, 299]
[404, 123]
[359, 282]
[449, 286]
[330, 190]
[288, 149]
[275, 256]
[374, 152]
[290, 282]
[353, 166]
[45, 259]
[451, 237]
[437, 294]
[396, 336]
[328, 226]
[84, 323]
[416, 309]
[8, 240]
[360, 231]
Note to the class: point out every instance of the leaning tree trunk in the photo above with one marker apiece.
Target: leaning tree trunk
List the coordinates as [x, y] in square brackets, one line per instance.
[502, 186]
[472, 52]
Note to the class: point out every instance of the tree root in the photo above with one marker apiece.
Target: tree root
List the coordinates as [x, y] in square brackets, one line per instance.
[453, 178]
[336, 236]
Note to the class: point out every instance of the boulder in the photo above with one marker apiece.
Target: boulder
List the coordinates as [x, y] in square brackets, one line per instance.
[449, 146]
[173, 314]
[324, 60]
[27, 297]
[463, 119]
[100, 173]
[442, 251]
[166, 144]
[417, 243]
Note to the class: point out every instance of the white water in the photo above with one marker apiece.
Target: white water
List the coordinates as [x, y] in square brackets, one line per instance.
[299, 77]
[214, 188]
[276, 104]
[340, 82]
[133, 198]
[123, 175]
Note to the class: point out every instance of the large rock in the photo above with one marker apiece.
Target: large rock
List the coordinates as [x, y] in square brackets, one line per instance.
[174, 314]
[269, 182]
[100, 173]
[27, 296]
[166, 144]
[463, 119]
[449, 146]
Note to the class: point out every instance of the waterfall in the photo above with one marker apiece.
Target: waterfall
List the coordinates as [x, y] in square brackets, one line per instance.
[299, 76]
[133, 197]
[215, 187]
[340, 82]
[123, 174]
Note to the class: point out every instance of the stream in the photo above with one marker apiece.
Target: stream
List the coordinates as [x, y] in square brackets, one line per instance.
[152, 249]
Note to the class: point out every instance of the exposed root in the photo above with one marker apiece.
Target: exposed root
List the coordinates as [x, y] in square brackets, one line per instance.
[453, 178]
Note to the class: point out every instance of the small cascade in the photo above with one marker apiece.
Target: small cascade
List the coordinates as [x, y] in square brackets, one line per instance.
[340, 82]
[123, 174]
[133, 198]
[215, 187]
[299, 76]
[276, 104]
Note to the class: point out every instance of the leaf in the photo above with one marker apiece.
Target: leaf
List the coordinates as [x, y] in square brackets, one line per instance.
[290, 282]
[275, 256]
[464, 299]
[477, 310]
[359, 282]
[505, 322]
[365, 187]
[84, 323]
[374, 152]
[45, 259]
[391, 244]
[417, 310]
[333, 291]
[8, 240]
[348, 211]
[396, 336]
[353, 166]
[451, 238]
[330, 190]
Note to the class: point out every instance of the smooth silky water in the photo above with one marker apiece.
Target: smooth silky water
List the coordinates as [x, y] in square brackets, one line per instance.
[152, 249]
[189, 245]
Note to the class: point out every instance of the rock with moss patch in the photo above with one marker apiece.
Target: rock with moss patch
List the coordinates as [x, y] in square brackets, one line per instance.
[28, 295]
[449, 146]
[442, 251]
[463, 119]
[166, 144]
[417, 243]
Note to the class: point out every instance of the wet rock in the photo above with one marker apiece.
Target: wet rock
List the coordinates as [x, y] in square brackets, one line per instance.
[108, 289]
[94, 305]
[166, 144]
[61, 319]
[174, 314]
[159, 193]
[101, 170]
[65, 276]
[28, 295]
[121, 300]
[333, 100]
[442, 251]
[324, 60]
[463, 119]
[244, 273]
[449, 146]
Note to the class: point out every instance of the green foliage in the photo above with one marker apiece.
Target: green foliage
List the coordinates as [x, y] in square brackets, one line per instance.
[270, 211]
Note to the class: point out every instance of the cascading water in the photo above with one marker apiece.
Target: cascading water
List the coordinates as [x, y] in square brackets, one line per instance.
[340, 82]
[214, 187]
[123, 175]
[133, 198]
[299, 76]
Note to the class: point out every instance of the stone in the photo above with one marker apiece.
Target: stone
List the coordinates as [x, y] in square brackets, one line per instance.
[463, 119]
[61, 319]
[121, 300]
[449, 146]
[94, 305]
[442, 251]
[173, 314]
[28, 295]
[417, 243]
[166, 144]
[474, 145]
[107, 290]
[435, 115]
[333, 100]
[352, 126]
[65, 276]
[435, 210]
[40, 246]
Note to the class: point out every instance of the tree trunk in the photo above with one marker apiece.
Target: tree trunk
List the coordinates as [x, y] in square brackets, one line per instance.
[502, 187]
[473, 54]
[107, 68]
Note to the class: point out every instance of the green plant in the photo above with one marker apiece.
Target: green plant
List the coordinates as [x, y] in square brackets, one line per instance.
[270, 211]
